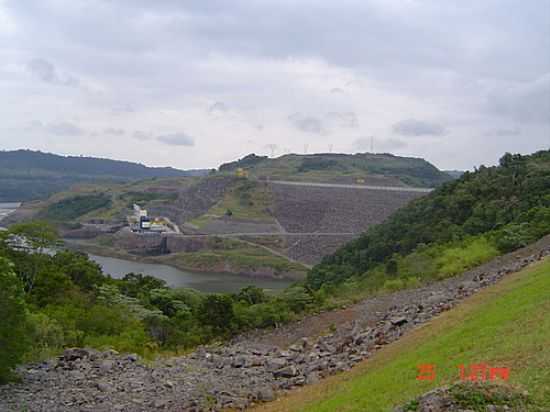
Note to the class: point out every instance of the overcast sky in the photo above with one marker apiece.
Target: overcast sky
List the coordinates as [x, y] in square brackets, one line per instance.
[192, 84]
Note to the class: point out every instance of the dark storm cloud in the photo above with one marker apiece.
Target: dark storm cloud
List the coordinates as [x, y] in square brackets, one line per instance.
[177, 139]
[414, 127]
[307, 124]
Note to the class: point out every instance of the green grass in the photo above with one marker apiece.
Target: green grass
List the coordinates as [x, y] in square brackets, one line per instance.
[247, 200]
[423, 266]
[328, 167]
[238, 255]
[506, 325]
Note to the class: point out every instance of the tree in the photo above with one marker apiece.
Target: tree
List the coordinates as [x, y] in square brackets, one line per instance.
[217, 312]
[85, 273]
[13, 327]
[252, 295]
[40, 235]
[137, 285]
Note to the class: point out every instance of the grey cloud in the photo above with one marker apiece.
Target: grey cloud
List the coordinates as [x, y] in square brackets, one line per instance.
[504, 132]
[528, 102]
[414, 128]
[34, 125]
[343, 119]
[217, 107]
[141, 135]
[364, 144]
[177, 139]
[123, 108]
[307, 124]
[64, 129]
[336, 90]
[114, 132]
[47, 72]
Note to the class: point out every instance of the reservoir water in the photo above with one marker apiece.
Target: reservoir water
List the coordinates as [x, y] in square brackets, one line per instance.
[205, 282]
[8, 207]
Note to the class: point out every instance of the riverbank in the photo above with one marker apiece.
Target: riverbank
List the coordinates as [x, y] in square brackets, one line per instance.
[256, 265]
[7, 208]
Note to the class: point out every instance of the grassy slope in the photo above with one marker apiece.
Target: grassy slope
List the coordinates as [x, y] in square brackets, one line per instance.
[240, 256]
[247, 200]
[506, 325]
[122, 196]
[327, 167]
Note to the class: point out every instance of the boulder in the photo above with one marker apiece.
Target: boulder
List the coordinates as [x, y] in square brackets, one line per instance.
[287, 372]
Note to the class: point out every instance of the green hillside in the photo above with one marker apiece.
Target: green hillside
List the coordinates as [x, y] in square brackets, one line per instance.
[29, 175]
[328, 167]
[109, 201]
[495, 327]
[459, 225]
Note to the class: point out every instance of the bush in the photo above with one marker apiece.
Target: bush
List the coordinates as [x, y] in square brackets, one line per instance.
[393, 285]
[14, 341]
[47, 337]
[216, 311]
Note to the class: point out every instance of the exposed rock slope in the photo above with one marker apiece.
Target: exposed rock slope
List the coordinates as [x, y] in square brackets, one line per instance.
[250, 369]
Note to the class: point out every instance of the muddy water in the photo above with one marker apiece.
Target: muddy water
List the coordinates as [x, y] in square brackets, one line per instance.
[205, 282]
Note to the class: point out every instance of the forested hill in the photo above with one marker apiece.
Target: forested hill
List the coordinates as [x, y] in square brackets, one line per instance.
[369, 168]
[486, 212]
[26, 174]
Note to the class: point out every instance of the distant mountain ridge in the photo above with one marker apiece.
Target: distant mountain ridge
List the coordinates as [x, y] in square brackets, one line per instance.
[369, 168]
[28, 175]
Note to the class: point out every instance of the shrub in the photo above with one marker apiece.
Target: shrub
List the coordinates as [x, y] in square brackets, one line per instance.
[13, 327]
[47, 336]
[216, 311]
[394, 284]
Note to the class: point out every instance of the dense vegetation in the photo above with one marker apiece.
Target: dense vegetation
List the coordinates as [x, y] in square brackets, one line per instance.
[329, 166]
[28, 175]
[465, 222]
[49, 302]
[246, 162]
[74, 207]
